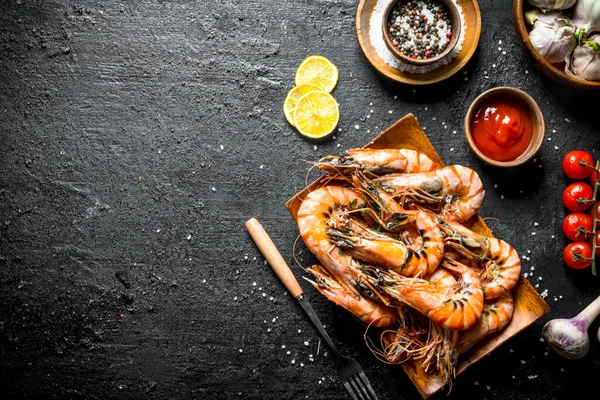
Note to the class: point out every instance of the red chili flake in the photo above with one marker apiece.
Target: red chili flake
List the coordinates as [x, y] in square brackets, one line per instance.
[442, 15]
[395, 43]
[427, 53]
[449, 34]
[413, 56]
[417, 35]
[121, 315]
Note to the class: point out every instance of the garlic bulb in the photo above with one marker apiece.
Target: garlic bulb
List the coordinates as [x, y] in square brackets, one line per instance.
[567, 337]
[552, 4]
[584, 63]
[553, 40]
[586, 16]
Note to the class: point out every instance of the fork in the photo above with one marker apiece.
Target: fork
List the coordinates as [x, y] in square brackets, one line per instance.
[349, 371]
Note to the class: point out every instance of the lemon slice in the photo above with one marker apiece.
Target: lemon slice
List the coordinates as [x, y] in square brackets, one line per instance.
[292, 99]
[317, 70]
[316, 115]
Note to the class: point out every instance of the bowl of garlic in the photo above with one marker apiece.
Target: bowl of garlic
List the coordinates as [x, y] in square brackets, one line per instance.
[563, 38]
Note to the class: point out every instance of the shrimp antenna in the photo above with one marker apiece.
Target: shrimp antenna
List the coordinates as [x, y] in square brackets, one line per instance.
[294, 254]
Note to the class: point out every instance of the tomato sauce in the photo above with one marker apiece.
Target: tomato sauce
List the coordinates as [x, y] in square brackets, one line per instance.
[501, 130]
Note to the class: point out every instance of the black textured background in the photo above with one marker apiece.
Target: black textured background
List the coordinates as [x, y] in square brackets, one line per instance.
[137, 138]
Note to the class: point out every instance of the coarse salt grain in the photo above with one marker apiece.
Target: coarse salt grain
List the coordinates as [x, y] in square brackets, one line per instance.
[357, 126]
[214, 189]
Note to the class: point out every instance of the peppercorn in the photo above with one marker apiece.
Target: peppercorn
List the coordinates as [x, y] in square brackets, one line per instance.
[415, 33]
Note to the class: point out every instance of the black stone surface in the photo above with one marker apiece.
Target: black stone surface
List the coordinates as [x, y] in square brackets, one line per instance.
[138, 137]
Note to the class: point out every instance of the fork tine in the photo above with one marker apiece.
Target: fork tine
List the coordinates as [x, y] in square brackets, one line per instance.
[367, 384]
[358, 387]
[350, 390]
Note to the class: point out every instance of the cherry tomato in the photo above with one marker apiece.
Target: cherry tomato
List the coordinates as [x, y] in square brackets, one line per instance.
[597, 207]
[578, 164]
[578, 196]
[578, 226]
[578, 255]
[597, 243]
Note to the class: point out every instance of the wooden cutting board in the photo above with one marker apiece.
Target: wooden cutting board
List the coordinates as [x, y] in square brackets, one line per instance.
[529, 305]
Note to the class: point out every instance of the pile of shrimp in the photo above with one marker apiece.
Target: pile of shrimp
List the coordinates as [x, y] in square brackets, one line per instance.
[388, 230]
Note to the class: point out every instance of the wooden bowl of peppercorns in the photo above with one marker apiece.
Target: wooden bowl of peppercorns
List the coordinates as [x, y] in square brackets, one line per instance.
[421, 32]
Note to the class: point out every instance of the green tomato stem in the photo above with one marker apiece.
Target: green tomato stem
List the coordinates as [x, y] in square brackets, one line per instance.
[581, 162]
[595, 220]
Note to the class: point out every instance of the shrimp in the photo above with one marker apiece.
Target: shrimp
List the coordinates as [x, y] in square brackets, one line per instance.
[378, 161]
[496, 314]
[456, 190]
[312, 218]
[364, 308]
[420, 255]
[499, 261]
[457, 307]
[415, 336]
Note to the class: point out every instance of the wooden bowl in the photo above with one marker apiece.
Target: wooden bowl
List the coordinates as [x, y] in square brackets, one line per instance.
[553, 71]
[526, 103]
[454, 20]
[529, 305]
[472, 32]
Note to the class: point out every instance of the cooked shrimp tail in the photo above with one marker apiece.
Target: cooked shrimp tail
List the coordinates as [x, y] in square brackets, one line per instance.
[496, 314]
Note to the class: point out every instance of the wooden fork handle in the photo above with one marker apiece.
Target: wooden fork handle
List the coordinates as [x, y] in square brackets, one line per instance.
[274, 258]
